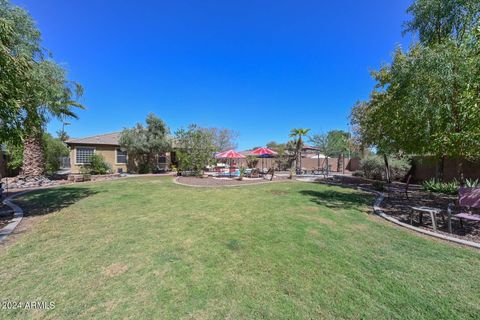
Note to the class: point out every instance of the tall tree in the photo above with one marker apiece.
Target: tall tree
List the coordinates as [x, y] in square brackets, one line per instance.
[436, 21]
[51, 95]
[33, 89]
[195, 149]
[427, 101]
[297, 134]
[145, 143]
[19, 42]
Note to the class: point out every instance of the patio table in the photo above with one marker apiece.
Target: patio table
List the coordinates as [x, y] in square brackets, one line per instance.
[433, 214]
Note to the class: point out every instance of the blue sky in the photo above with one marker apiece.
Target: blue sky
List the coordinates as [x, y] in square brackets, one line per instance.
[258, 67]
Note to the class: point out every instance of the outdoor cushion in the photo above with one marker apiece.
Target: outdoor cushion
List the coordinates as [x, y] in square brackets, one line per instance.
[468, 216]
[469, 197]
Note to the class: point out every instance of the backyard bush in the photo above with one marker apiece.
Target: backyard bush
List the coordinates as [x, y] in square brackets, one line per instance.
[399, 168]
[373, 167]
[358, 173]
[97, 165]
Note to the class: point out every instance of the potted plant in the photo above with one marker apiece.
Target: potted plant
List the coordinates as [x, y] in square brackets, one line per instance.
[242, 173]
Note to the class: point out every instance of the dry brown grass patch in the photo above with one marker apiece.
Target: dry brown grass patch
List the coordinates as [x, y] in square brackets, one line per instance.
[115, 269]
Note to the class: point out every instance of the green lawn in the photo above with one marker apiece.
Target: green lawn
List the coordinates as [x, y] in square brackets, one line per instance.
[145, 248]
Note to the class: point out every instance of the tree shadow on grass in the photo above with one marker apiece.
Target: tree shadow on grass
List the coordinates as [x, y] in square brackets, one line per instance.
[43, 202]
[338, 200]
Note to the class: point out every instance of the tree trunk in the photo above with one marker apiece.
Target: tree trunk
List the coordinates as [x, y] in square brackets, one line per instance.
[460, 171]
[442, 168]
[326, 163]
[33, 158]
[387, 168]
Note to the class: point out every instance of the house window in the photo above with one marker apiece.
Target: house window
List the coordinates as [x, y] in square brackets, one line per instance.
[162, 159]
[121, 156]
[83, 155]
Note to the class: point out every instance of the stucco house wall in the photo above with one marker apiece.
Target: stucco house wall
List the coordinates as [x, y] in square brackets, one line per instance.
[109, 153]
[107, 146]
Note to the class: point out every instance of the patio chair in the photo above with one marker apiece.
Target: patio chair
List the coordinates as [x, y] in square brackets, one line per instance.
[468, 198]
[254, 173]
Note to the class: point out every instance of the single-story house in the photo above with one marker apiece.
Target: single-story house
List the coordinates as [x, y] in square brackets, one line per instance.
[107, 145]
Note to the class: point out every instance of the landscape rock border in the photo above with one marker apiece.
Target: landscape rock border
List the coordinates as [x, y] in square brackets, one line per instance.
[17, 216]
[378, 211]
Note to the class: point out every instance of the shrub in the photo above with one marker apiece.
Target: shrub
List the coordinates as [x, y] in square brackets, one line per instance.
[144, 168]
[54, 148]
[97, 165]
[470, 183]
[433, 185]
[378, 185]
[372, 167]
[358, 173]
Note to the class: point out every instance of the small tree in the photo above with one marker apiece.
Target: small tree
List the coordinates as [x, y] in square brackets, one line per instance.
[324, 145]
[196, 147]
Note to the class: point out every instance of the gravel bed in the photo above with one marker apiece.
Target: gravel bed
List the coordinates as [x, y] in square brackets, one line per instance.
[396, 205]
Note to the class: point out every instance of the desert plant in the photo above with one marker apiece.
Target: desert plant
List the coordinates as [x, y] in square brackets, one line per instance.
[433, 185]
[242, 173]
[470, 183]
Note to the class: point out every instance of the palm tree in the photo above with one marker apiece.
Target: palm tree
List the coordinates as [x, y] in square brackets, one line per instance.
[51, 95]
[297, 135]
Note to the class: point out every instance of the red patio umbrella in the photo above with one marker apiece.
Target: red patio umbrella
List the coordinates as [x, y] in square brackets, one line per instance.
[262, 152]
[230, 154]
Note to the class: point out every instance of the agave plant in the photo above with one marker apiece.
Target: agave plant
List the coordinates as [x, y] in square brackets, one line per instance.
[242, 173]
[470, 183]
[433, 185]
